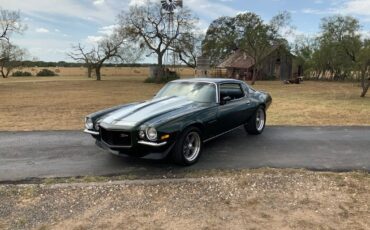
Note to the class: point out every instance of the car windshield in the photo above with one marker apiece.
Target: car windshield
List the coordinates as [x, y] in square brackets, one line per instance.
[193, 91]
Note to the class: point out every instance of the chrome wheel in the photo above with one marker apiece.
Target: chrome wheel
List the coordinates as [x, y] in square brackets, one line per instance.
[260, 119]
[191, 146]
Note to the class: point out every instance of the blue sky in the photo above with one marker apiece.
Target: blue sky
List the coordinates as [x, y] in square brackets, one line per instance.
[54, 25]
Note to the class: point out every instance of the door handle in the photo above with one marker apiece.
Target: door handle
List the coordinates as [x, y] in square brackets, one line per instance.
[248, 102]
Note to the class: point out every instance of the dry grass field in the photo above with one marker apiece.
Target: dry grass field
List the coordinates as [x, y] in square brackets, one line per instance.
[60, 103]
[106, 71]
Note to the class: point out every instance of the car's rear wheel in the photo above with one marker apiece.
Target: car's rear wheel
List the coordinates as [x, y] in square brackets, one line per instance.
[189, 147]
[256, 124]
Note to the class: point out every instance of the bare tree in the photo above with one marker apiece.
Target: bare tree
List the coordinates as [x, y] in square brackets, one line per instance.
[10, 55]
[10, 22]
[115, 48]
[189, 47]
[11, 58]
[80, 55]
[148, 25]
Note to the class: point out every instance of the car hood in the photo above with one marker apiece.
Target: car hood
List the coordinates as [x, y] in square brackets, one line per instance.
[137, 114]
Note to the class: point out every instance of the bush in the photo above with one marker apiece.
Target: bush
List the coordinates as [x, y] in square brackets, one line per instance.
[165, 77]
[46, 73]
[21, 74]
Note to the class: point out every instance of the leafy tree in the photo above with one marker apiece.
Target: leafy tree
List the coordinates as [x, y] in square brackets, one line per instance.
[220, 40]
[364, 67]
[255, 38]
[246, 32]
[304, 48]
[340, 41]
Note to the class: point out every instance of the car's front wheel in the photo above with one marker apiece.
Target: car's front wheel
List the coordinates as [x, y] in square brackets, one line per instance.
[189, 147]
[256, 124]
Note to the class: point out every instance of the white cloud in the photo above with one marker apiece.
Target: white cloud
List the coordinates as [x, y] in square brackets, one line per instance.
[93, 40]
[358, 7]
[139, 2]
[317, 11]
[45, 49]
[67, 8]
[210, 9]
[347, 7]
[204, 8]
[108, 30]
[99, 2]
[42, 30]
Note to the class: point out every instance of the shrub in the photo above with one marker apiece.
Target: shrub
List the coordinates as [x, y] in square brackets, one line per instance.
[21, 74]
[165, 77]
[46, 73]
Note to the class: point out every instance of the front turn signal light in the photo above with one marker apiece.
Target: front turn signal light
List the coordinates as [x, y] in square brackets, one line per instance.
[165, 137]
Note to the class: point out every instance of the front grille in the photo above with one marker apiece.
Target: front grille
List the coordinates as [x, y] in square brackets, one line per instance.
[116, 138]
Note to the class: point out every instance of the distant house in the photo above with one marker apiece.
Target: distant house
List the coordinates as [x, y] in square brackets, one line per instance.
[278, 64]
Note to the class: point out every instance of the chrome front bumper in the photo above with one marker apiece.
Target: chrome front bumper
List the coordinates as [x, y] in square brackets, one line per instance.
[151, 144]
[91, 132]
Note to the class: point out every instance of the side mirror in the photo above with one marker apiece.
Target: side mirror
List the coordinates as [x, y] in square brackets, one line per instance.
[225, 99]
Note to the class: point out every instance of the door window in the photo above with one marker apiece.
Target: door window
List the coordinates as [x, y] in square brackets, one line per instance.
[232, 90]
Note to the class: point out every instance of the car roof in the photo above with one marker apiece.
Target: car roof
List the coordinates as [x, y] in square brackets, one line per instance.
[210, 80]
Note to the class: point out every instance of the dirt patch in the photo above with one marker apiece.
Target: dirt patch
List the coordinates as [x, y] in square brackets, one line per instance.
[250, 199]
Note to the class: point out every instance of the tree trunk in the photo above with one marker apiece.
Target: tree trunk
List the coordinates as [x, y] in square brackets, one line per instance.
[160, 72]
[365, 86]
[365, 89]
[7, 72]
[89, 71]
[254, 76]
[160, 60]
[3, 73]
[97, 71]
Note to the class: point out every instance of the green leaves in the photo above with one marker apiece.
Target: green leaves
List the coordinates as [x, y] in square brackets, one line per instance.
[245, 31]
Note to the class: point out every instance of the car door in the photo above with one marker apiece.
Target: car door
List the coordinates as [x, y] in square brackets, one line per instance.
[233, 106]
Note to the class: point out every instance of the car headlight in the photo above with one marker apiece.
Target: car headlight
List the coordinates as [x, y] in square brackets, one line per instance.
[89, 123]
[151, 134]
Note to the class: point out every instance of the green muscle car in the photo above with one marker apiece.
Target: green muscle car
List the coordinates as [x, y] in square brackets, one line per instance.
[180, 119]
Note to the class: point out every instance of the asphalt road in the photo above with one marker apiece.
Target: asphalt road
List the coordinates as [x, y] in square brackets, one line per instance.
[25, 155]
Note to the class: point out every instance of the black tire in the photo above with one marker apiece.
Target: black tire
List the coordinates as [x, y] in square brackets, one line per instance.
[188, 153]
[256, 124]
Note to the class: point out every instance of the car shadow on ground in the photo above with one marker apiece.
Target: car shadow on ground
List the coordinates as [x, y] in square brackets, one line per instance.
[214, 150]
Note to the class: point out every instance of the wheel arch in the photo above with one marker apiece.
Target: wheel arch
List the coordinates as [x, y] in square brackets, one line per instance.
[197, 125]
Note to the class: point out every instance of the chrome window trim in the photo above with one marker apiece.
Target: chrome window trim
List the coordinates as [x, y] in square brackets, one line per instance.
[241, 88]
[208, 82]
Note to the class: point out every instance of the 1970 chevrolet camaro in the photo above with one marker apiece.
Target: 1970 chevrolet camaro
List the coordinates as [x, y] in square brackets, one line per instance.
[180, 118]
